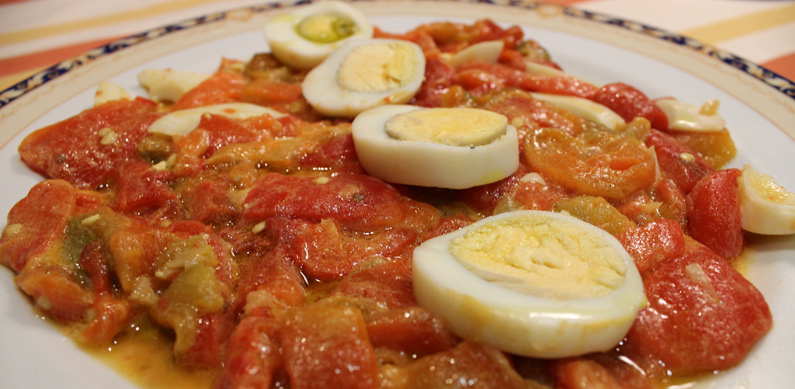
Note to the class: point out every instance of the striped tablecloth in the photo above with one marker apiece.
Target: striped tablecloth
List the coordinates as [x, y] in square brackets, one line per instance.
[35, 34]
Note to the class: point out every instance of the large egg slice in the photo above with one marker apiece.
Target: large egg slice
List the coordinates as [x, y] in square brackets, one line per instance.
[533, 283]
[364, 74]
[452, 148]
[304, 38]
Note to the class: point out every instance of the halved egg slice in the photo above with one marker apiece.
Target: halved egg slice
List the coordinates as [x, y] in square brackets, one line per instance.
[364, 74]
[452, 148]
[183, 121]
[537, 68]
[169, 84]
[766, 207]
[684, 116]
[304, 38]
[108, 91]
[533, 283]
[488, 52]
[585, 109]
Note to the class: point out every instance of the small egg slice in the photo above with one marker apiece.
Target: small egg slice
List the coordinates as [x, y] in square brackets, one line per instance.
[766, 207]
[488, 52]
[585, 109]
[183, 121]
[533, 283]
[304, 38]
[452, 148]
[169, 84]
[537, 68]
[684, 116]
[364, 74]
[108, 91]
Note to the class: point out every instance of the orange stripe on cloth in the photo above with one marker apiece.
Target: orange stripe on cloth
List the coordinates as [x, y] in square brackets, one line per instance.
[6, 2]
[784, 66]
[48, 57]
[105, 20]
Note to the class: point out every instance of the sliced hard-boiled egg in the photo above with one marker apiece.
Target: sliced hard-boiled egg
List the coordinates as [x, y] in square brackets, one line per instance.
[585, 109]
[364, 74]
[766, 207]
[183, 121]
[452, 148]
[533, 283]
[304, 38]
[169, 84]
[537, 68]
[684, 116]
[108, 91]
[488, 52]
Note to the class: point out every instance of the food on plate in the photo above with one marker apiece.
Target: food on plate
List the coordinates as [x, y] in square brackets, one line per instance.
[108, 91]
[306, 36]
[454, 148]
[766, 207]
[586, 109]
[267, 236]
[683, 116]
[488, 51]
[183, 121]
[365, 74]
[169, 84]
[533, 283]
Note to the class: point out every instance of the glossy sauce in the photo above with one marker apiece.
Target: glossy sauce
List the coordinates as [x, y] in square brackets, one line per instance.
[143, 356]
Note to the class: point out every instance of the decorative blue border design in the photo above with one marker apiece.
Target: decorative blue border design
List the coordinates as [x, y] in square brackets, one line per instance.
[763, 74]
[55, 71]
[766, 76]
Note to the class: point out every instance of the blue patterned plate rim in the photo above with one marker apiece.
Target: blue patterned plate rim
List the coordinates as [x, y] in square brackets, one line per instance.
[764, 75]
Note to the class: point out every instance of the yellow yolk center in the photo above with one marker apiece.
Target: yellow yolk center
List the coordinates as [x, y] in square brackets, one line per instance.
[377, 67]
[326, 28]
[448, 126]
[541, 257]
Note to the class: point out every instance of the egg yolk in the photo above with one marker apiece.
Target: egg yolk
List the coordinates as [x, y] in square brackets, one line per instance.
[448, 126]
[378, 67]
[326, 28]
[541, 257]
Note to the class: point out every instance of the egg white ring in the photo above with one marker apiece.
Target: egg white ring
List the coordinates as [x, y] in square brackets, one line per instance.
[321, 90]
[183, 121]
[519, 323]
[430, 164]
[296, 51]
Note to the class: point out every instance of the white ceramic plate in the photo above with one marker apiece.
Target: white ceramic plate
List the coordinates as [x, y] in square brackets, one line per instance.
[759, 107]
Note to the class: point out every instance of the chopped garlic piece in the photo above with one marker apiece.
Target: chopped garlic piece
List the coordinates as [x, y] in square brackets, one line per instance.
[90, 220]
[259, 227]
